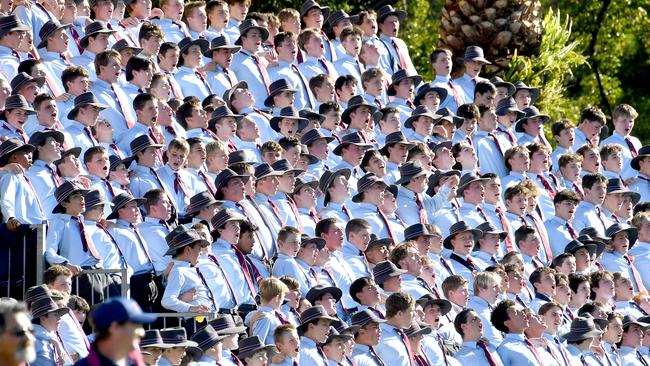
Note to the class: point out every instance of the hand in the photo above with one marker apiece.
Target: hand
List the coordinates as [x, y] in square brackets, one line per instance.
[73, 268]
[188, 296]
[630, 181]
[199, 309]
[13, 168]
[271, 56]
[13, 224]
[25, 3]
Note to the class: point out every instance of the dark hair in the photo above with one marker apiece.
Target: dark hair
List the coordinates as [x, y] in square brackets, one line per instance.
[592, 113]
[575, 279]
[88, 155]
[185, 111]
[588, 180]
[483, 87]
[461, 318]
[27, 66]
[141, 99]
[356, 225]
[152, 197]
[324, 226]
[71, 73]
[281, 37]
[559, 260]
[357, 286]
[343, 80]
[500, 315]
[329, 106]
[522, 233]
[137, 64]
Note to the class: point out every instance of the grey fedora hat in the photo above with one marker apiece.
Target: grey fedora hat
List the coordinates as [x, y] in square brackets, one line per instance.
[200, 201]
[410, 170]
[534, 92]
[309, 4]
[48, 29]
[400, 75]
[582, 328]
[475, 53]
[11, 146]
[82, 100]
[221, 42]
[388, 10]
[277, 87]
[460, 227]
[326, 180]
[120, 201]
[188, 42]
[365, 183]
[21, 79]
[92, 29]
[290, 113]
[249, 24]
[64, 191]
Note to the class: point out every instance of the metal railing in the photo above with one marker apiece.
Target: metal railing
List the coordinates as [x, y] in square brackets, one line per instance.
[124, 287]
[23, 261]
[167, 320]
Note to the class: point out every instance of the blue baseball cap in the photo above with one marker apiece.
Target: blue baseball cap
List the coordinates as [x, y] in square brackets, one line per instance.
[120, 310]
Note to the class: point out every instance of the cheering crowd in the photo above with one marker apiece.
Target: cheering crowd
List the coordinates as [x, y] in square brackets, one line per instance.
[292, 188]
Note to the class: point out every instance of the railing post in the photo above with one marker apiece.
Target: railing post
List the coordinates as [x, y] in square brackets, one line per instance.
[40, 252]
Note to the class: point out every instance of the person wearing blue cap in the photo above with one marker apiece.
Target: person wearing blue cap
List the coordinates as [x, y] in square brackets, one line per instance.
[118, 330]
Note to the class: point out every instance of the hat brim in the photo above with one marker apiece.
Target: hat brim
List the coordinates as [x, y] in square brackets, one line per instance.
[518, 125]
[336, 292]
[345, 116]
[408, 178]
[635, 161]
[83, 42]
[417, 79]
[570, 336]
[504, 84]
[60, 209]
[341, 146]
[25, 147]
[227, 95]
[435, 179]
[113, 214]
[461, 188]
[344, 172]
[400, 14]
[443, 304]
[422, 92]
[73, 112]
[194, 210]
[313, 184]
[264, 31]
[413, 117]
[447, 242]
[357, 197]
[242, 356]
[534, 93]
[202, 43]
[76, 151]
[40, 81]
[43, 41]
[380, 243]
[208, 53]
[275, 122]
[174, 248]
[268, 102]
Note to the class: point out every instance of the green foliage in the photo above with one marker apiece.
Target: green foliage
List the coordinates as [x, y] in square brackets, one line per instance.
[558, 56]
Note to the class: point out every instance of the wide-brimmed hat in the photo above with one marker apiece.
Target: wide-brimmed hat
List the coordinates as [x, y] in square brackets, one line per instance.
[247, 25]
[383, 271]
[225, 324]
[582, 328]
[82, 100]
[616, 185]
[387, 10]
[335, 334]
[466, 180]
[11, 146]
[250, 346]
[376, 241]
[313, 313]
[265, 170]
[488, 228]
[92, 29]
[142, 142]
[220, 113]
[183, 239]
[421, 110]
[354, 138]
[17, 101]
[427, 300]
[422, 91]
[338, 16]
[475, 53]
[227, 95]
[631, 320]
[310, 114]
[318, 291]
[584, 241]
[410, 170]
[311, 159]
[11, 23]
[314, 135]
[290, 113]
[224, 177]
[394, 138]
[120, 201]
[529, 113]
[353, 104]
[534, 92]
[242, 157]
[507, 105]
[644, 152]
[593, 234]
[415, 231]
[460, 227]
[300, 183]
[76, 151]
[64, 191]
[218, 43]
[224, 216]
[365, 183]
[309, 4]
[326, 180]
[284, 166]
[122, 45]
[277, 87]
[200, 201]
[632, 232]
[417, 329]
[364, 317]
[176, 337]
[37, 292]
[114, 161]
[152, 338]
[435, 178]
[46, 305]
[400, 75]
[188, 42]
[21, 79]
[206, 337]
[95, 198]
[500, 83]
[445, 114]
